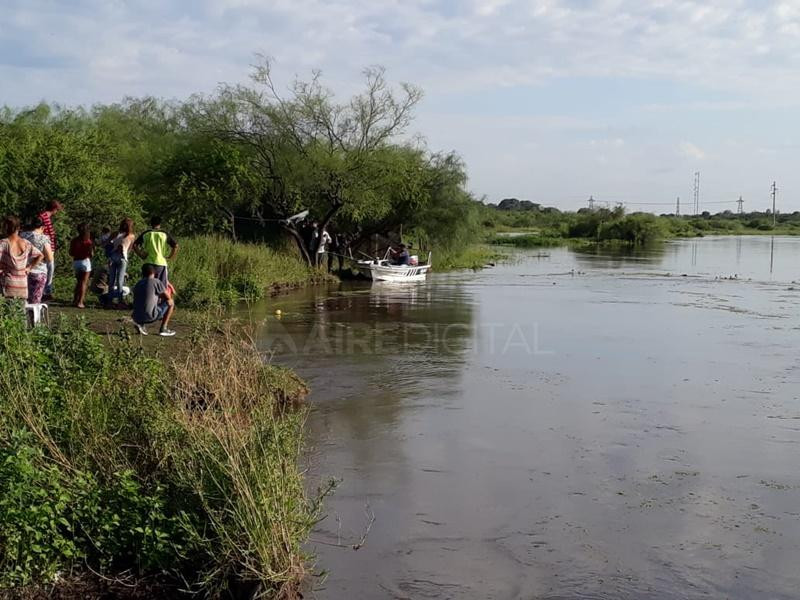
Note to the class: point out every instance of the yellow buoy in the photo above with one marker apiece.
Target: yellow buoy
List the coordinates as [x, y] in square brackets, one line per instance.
[278, 311]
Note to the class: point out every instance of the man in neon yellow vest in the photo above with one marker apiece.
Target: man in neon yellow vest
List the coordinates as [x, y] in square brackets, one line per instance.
[156, 248]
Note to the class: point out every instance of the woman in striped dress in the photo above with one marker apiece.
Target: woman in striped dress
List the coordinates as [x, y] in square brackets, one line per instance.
[17, 258]
[37, 277]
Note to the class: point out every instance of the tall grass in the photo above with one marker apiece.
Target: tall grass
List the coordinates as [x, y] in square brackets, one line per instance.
[113, 462]
[212, 270]
[474, 256]
[244, 442]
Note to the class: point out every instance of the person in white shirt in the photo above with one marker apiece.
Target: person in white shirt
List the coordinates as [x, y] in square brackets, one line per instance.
[324, 240]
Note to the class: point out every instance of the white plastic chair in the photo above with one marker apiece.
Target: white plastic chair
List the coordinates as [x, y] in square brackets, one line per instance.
[37, 313]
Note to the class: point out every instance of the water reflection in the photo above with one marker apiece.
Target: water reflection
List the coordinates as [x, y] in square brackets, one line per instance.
[771, 254]
[755, 257]
[614, 257]
[371, 323]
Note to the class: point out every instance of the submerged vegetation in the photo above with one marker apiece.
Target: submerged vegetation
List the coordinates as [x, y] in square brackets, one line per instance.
[114, 464]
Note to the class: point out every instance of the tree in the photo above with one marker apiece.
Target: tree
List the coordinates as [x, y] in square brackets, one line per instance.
[207, 184]
[50, 154]
[312, 151]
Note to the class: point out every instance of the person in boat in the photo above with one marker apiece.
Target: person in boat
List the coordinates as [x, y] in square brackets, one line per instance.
[400, 256]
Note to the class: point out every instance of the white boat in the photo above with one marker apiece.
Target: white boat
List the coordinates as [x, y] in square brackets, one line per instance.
[384, 270]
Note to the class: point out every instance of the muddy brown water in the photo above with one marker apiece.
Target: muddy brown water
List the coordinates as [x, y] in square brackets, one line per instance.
[564, 425]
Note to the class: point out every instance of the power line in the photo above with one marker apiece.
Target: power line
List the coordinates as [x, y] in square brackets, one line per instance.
[740, 202]
[670, 203]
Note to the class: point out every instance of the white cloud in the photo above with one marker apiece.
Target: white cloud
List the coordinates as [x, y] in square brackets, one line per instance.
[734, 57]
[730, 45]
[689, 150]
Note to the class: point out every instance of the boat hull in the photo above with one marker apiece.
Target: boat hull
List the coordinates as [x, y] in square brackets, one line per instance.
[394, 273]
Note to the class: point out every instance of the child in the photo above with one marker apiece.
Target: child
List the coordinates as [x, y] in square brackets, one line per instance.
[81, 249]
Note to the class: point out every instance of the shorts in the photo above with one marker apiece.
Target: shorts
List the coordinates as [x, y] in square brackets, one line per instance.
[161, 310]
[82, 266]
[160, 273]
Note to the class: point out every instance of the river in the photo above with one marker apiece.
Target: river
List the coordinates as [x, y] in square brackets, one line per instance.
[565, 425]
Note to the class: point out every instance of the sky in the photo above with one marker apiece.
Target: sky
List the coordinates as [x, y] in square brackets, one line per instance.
[546, 100]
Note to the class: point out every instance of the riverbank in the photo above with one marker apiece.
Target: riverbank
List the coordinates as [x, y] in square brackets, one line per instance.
[213, 272]
[124, 465]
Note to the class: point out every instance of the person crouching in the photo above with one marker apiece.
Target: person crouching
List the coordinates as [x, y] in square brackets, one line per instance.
[152, 302]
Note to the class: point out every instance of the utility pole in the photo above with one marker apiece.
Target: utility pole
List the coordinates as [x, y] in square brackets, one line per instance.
[591, 202]
[697, 192]
[678, 207]
[740, 202]
[774, 193]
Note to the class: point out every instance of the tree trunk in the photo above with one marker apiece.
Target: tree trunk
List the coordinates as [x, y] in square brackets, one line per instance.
[300, 243]
[329, 215]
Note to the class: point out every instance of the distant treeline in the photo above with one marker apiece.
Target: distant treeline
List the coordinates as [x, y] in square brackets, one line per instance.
[603, 224]
[238, 161]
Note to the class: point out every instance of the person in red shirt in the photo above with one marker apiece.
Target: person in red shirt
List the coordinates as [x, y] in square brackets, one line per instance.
[81, 249]
[47, 221]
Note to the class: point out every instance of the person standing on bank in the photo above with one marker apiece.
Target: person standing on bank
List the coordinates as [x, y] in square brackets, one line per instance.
[37, 277]
[322, 247]
[152, 302]
[152, 247]
[118, 260]
[17, 257]
[46, 216]
[81, 249]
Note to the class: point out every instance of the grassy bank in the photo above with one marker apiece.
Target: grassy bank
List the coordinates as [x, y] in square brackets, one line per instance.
[117, 467]
[213, 271]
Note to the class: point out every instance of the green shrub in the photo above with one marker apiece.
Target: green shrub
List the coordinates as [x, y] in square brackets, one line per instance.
[638, 228]
[114, 461]
[52, 518]
[47, 155]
